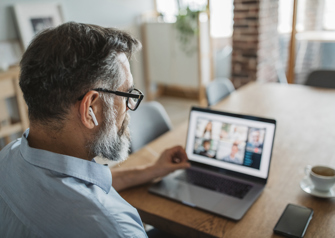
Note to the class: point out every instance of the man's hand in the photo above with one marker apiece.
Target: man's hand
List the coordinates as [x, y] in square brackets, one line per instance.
[171, 160]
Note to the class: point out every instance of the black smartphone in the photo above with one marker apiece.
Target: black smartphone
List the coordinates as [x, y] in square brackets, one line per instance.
[294, 221]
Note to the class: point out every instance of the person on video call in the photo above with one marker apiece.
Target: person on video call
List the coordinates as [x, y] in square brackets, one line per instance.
[206, 144]
[236, 135]
[255, 143]
[231, 158]
[208, 131]
[77, 83]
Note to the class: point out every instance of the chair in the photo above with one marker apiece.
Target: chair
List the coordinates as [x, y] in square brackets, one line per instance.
[321, 78]
[148, 122]
[218, 89]
[222, 62]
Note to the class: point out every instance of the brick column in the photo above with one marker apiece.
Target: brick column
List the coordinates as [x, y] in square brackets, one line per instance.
[255, 41]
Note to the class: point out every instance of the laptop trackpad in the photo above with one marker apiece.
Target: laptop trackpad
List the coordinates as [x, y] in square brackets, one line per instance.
[186, 193]
[216, 183]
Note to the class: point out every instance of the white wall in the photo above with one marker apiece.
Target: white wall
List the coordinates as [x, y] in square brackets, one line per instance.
[110, 13]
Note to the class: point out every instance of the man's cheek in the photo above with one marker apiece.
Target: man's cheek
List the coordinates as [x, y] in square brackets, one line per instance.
[124, 127]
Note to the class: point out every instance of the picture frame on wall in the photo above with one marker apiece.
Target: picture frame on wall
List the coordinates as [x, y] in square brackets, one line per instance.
[32, 18]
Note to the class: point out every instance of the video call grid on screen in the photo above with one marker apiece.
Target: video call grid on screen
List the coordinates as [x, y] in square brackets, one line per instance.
[234, 149]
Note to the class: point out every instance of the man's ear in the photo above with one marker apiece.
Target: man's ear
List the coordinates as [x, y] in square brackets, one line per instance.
[88, 110]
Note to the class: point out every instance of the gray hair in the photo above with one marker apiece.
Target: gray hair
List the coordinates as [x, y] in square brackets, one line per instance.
[65, 62]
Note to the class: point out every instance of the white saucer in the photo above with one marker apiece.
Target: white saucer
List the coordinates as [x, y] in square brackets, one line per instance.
[307, 185]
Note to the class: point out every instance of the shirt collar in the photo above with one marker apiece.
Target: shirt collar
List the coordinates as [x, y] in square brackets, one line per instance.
[89, 171]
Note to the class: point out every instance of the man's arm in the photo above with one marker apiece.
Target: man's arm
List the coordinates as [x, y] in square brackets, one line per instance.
[170, 160]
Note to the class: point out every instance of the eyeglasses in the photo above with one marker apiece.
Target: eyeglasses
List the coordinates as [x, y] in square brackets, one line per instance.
[134, 97]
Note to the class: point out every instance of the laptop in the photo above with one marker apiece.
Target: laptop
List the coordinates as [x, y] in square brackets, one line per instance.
[230, 157]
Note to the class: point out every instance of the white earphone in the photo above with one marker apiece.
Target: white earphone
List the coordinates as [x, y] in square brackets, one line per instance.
[90, 111]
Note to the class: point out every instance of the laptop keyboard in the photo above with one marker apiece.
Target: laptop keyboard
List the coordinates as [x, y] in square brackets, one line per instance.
[215, 183]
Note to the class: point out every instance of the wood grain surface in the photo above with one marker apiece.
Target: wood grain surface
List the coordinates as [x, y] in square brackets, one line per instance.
[305, 135]
[9, 87]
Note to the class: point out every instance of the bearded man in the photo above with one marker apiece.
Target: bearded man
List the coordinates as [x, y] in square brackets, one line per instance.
[77, 83]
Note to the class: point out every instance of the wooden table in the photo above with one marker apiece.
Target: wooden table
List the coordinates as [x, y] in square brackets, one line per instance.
[305, 135]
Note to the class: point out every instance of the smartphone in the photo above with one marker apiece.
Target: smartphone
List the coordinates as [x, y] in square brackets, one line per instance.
[294, 221]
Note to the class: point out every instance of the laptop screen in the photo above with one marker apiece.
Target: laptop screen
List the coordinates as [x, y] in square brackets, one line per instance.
[238, 143]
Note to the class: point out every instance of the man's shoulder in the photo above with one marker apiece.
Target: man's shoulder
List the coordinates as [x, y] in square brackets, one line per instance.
[227, 158]
[55, 204]
[74, 212]
[10, 148]
[8, 156]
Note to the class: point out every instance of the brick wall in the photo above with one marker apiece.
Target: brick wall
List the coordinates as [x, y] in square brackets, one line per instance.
[255, 41]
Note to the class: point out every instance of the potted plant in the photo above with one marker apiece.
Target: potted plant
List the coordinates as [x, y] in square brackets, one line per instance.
[187, 27]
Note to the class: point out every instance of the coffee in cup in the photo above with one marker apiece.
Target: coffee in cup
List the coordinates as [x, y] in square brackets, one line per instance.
[323, 177]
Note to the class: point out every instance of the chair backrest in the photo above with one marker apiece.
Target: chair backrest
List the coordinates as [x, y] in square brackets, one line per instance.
[218, 89]
[321, 78]
[148, 122]
[222, 62]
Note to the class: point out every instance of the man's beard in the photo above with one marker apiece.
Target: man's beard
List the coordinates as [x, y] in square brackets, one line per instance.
[109, 142]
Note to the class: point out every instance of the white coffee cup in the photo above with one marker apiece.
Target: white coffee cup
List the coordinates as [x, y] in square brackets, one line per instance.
[323, 177]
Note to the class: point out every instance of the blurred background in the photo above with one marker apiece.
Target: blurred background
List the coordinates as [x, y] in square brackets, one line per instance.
[186, 45]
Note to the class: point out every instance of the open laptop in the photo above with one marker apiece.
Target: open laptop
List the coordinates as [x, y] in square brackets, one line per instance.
[230, 158]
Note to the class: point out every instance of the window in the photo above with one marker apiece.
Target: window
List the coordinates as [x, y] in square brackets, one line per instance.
[329, 15]
[221, 13]
[285, 16]
[221, 18]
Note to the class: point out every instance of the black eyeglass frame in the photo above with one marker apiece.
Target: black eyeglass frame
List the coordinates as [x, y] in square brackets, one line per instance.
[122, 94]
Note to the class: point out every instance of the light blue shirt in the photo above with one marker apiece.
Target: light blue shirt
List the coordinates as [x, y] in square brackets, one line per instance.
[44, 194]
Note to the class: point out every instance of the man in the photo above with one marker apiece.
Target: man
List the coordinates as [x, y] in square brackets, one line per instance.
[78, 87]
[231, 158]
[255, 143]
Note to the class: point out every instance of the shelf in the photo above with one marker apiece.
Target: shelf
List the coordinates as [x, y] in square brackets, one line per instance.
[9, 87]
[11, 129]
